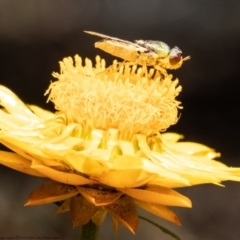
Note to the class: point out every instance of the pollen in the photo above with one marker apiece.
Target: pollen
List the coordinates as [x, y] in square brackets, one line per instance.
[128, 98]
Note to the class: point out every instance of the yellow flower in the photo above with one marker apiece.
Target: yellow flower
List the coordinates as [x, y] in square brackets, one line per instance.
[103, 151]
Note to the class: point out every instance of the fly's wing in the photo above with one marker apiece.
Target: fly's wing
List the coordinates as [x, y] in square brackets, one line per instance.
[106, 36]
[126, 50]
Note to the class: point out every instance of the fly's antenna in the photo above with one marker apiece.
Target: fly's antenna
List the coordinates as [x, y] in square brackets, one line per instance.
[186, 58]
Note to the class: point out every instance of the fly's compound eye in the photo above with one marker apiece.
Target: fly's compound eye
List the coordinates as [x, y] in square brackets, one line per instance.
[175, 55]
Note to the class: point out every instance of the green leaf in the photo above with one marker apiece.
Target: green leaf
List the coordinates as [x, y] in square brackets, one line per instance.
[162, 228]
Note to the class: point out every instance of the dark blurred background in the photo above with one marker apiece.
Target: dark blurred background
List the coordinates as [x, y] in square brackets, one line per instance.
[36, 35]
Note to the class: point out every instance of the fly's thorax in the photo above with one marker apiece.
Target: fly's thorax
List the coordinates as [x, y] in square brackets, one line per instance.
[157, 47]
[147, 58]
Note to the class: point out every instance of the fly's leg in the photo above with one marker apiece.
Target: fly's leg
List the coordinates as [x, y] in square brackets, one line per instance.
[111, 69]
[145, 70]
[117, 67]
[161, 70]
[126, 67]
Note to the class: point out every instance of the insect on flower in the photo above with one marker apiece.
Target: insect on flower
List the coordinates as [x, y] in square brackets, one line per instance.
[142, 52]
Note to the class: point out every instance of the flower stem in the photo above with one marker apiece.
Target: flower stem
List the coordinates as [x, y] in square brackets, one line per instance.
[89, 231]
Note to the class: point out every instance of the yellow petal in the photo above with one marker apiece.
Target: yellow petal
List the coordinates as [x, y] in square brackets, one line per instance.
[98, 197]
[170, 137]
[159, 210]
[127, 148]
[65, 144]
[30, 156]
[8, 121]
[124, 210]
[50, 163]
[168, 183]
[193, 148]
[41, 113]
[65, 206]
[125, 172]
[159, 195]
[16, 162]
[51, 192]
[161, 163]
[65, 135]
[85, 163]
[58, 176]
[127, 178]
[196, 170]
[81, 210]
[54, 126]
[14, 105]
[127, 161]
[22, 145]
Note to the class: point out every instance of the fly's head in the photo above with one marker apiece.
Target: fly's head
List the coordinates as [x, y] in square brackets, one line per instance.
[175, 55]
[175, 58]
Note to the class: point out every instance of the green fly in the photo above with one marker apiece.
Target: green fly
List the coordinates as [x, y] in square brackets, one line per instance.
[142, 52]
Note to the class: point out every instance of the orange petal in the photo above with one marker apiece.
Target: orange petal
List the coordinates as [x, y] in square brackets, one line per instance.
[99, 217]
[159, 195]
[19, 163]
[159, 210]
[58, 176]
[51, 192]
[115, 225]
[99, 197]
[124, 210]
[65, 206]
[81, 210]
